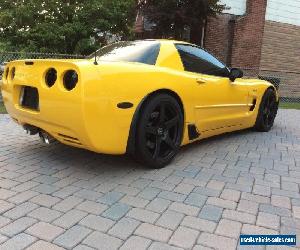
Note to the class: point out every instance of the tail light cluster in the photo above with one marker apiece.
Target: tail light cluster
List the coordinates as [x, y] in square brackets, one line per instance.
[50, 77]
[69, 78]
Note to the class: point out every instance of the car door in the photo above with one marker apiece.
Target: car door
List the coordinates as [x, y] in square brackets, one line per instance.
[219, 103]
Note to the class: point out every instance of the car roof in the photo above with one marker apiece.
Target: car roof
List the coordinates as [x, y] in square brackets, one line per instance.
[166, 41]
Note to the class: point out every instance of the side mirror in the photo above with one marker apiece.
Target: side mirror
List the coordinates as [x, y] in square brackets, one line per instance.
[235, 74]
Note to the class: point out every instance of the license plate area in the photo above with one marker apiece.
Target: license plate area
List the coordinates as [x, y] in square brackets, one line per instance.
[29, 98]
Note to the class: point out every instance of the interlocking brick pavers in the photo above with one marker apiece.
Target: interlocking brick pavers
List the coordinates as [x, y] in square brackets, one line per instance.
[185, 209]
[210, 212]
[184, 237]
[44, 231]
[170, 219]
[91, 207]
[45, 200]
[268, 220]
[97, 223]
[199, 224]
[158, 205]
[248, 206]
[136, 243]
[45, 214]
[58, 197]
[163, 246]
[232, 195]
[70, 218]
[153, 232]
[68, 203]
[17, 226]
[217, 242]
[124, 228]
[4, 206]
[116, 211]
[20, 241]
[3, 238]
[252, 229]
[43, 245]
[143, 215]
[229, 228]
[102, 241]
[296, 212]
[72, 237]
[83, 247]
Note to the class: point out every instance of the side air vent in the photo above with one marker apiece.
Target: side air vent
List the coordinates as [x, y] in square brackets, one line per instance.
[253, 105]
[193, 132]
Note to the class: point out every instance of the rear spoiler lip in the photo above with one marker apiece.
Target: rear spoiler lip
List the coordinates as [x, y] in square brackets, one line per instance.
[55, 60]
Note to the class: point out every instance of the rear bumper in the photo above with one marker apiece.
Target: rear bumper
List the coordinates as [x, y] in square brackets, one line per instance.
[79, 118]
[55, 116]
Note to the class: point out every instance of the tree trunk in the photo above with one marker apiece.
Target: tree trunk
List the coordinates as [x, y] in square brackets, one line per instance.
[196, 33]
[178, 26]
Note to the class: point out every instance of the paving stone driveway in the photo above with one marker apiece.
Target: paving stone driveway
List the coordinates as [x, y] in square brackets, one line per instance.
[55, 197]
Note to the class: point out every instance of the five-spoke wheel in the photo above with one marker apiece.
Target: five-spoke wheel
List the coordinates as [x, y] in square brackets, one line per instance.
[267, 111]
[159, 131]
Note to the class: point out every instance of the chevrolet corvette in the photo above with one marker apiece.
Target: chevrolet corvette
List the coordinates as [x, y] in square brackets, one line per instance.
[145, 98]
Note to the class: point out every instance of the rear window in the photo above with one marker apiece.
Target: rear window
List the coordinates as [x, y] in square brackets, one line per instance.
[137, 51]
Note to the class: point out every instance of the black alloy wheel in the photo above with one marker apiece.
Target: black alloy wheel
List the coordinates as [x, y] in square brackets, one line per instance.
[267, 112]
[159, 131]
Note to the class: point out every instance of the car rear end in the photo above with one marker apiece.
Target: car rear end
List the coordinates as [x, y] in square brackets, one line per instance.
[45, 96]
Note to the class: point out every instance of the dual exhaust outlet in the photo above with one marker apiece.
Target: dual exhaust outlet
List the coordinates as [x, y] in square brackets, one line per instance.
[44, 136]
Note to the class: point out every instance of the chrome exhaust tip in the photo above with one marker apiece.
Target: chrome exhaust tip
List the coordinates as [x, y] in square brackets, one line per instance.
[46, 138]
[30, 130]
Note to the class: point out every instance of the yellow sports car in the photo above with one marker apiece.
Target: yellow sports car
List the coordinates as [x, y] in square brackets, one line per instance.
[146, 98]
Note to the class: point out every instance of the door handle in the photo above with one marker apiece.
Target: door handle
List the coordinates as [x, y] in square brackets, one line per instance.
[200, 81]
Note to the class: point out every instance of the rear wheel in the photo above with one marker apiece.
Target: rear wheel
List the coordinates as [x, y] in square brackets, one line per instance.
[267, 112]
[159, 131]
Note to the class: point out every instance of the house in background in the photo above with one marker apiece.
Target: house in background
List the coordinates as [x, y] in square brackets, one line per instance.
[260, 36]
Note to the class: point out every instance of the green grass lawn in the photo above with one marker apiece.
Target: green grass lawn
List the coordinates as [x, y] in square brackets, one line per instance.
[2, 108]
[289, 105]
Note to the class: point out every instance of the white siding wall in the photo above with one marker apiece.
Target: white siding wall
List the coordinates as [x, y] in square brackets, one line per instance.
[287, 11]
[237, 7]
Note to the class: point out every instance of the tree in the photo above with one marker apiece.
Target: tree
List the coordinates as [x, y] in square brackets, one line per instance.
[172, 17]
[69, 26]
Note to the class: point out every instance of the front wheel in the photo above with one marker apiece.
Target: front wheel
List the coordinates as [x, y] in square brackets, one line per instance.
[267, 112]
[159, 131]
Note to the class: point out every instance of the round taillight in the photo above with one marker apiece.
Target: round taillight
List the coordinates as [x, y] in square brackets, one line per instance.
[13, 73]
[70, 79]
[50, 77]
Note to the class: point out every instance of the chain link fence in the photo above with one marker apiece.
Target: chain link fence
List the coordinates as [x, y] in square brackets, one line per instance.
[10, 56]
[288, 90]
[287, 82]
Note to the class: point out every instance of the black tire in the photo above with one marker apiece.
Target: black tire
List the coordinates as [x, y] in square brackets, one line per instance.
[267, 112]
[159, 131]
